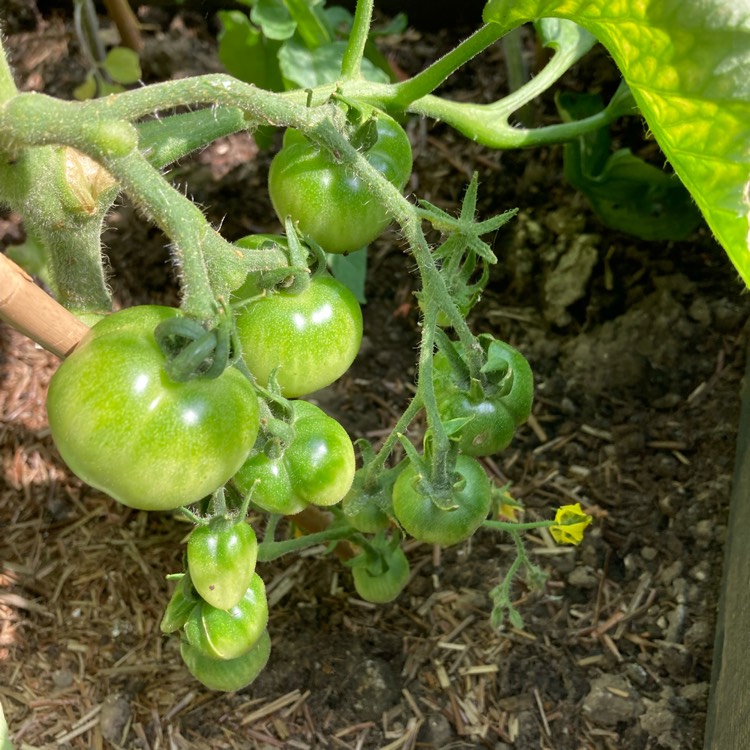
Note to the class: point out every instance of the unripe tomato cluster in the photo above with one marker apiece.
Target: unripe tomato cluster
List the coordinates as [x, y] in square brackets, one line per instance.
[220, 606]
[125, 424]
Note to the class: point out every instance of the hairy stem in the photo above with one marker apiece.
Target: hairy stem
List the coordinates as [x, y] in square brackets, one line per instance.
[429, 79]
[351, 65]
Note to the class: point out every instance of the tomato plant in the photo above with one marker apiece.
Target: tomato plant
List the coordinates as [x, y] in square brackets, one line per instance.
[309, 338]
[317, 467]
[161, 421]
[221, 559]
[125, 428]
[330, 203]
[421, 517]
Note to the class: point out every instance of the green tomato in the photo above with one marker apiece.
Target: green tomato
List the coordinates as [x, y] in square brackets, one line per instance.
[367, 518]
[381, 586]
[420, 517]
[490, 410]
[329, 203]
[364, 503]
[489, 428]
[221, 558]
[125, 428]
[270, 483]
[227, 634]
[311, 337]
[227, 674]
[316, 468]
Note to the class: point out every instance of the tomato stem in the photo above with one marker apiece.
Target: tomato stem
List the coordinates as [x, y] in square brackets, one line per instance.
[8, 87]
[351, 65]
[429, 79]
[269, 549]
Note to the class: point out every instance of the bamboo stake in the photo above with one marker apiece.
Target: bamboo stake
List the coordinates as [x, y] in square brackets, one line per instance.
[34, 313]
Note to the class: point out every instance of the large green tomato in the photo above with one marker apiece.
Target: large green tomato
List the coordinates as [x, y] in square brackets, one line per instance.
[316, 468]
[424, 520]
[125, 428]
[311, 337]
[227, 634]
[329, 203]
[227, 674]
[221, 558]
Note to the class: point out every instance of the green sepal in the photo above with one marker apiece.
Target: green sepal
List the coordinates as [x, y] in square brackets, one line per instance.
[180, 606]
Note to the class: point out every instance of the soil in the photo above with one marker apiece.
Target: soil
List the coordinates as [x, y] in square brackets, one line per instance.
[637, 359]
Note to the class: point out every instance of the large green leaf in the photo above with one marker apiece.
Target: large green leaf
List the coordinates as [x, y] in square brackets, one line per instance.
[307, 68]
[687, 63]
[246, 53]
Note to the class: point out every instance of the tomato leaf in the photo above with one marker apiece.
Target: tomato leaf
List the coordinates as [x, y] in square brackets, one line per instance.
[312, 24]
[87, 89]
[306, 68]
[626, 192]
[246, 53]
[5, 743]
[351, 271]
[33, 258]
[122, 65]
[274, 19]
[686, 64]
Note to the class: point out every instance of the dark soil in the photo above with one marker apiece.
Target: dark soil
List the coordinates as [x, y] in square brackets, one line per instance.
[637, 356]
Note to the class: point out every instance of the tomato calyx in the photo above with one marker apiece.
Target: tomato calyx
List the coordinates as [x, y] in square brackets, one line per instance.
[376, 553]
[305, 258]
[191, 350]
[434, 472]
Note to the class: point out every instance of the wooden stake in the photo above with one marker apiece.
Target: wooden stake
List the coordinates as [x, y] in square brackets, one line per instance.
[34, 313]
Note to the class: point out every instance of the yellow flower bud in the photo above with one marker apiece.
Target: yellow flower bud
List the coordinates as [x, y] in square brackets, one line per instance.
[570, 523]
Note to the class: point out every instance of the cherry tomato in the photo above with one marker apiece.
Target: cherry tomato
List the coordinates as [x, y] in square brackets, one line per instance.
[492, 407]
[329, 203]
[311, 337]
[125, 428]
[227, 674]
[363, 504]
[221, 558]
[381, 584]
[317, 467]
[227, 634]
[420, 517]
